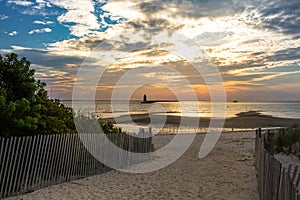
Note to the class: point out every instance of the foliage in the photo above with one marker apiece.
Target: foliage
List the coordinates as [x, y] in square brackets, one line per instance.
[295, 126]
[108, 127]
[289, 142]
[89, 123]
[16, 79]
[25, 108]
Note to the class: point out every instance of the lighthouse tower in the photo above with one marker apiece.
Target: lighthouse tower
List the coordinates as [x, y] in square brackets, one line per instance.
[145, 98]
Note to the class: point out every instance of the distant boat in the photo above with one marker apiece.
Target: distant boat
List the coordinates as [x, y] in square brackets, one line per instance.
[234, 101]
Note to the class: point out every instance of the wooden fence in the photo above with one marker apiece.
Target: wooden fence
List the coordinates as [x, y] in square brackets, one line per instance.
[275, 179]
[31, 163]
[175, 129]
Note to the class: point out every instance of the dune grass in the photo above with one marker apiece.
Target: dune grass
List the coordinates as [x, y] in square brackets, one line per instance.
[289, 142]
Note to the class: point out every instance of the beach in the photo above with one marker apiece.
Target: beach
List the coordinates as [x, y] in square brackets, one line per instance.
[226, 173]
[250, 119]
[181, 99]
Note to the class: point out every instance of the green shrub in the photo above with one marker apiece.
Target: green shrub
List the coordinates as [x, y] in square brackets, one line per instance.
[289, 142]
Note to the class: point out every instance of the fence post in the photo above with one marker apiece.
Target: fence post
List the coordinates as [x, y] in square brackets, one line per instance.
[274, 180]
[22, 166]
[74, 157]
[37, 166]
[78, 162]
[295, 173]
[47, 154]
[16, 165]
[4, 144]
[65, 158]
[51, 176]
[11, 165]
[4, 172]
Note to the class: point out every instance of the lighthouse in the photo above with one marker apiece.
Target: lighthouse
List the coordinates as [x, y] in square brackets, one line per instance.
[145, 98]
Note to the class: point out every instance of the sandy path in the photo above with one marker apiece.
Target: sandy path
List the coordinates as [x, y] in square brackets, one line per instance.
[227, 173]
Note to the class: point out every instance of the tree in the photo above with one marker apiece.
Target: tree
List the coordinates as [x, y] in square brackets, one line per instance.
[16, 78]
[25, 108]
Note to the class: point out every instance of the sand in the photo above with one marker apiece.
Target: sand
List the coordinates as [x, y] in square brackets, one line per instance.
[251, 119]
[226, 173]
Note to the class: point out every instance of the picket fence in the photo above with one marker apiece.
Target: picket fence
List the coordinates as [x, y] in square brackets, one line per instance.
[35, 162]
[275, 179]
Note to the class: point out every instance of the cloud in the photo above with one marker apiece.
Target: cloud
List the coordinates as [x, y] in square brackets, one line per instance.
[277, 15]
[42, 12]
[235, 45]
[288, 54]
[194, 8]
[134, 9]
[20, 2]
[42, 22]
[214, 38]
[253, 43]
[13, 33]
[47, 58]
[42, 4]
[81, 17]
[43, 30]
[81, 13]
[38, 4]
[2, 17]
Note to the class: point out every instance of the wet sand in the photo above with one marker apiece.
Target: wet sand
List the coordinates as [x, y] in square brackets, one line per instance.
[249, 119]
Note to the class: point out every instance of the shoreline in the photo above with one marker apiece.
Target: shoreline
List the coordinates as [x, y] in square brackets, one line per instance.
[250, 119]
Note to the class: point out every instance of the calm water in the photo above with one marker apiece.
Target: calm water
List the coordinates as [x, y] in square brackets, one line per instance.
[190, 108]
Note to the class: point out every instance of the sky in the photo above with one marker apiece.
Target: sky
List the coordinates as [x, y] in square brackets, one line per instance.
[166, 49]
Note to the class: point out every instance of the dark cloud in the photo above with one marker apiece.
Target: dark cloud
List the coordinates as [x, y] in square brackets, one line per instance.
[153, 25]
[127, 47]
[193, 8]
[288, 54]
[249, 63]
[151, 6]
[47, 59]
[277, 15]
[157, 13]
[55, 61]
[281, 15]
[253, 41]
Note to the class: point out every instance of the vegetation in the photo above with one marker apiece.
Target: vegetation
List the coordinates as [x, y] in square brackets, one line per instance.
[26, 109]
[289, 142]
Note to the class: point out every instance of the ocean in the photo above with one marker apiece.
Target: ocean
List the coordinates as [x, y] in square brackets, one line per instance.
[107, 109]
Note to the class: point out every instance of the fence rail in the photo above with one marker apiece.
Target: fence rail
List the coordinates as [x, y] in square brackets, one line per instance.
[275, 180]
[31, 163]
[175, 129]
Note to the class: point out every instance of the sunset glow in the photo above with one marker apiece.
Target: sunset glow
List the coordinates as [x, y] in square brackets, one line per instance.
[254, 44]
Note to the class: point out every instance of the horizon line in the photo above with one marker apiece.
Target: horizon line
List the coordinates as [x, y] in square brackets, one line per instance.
[180, 100]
